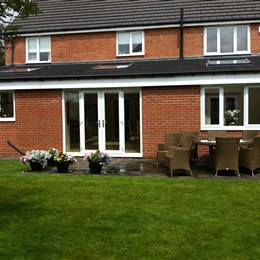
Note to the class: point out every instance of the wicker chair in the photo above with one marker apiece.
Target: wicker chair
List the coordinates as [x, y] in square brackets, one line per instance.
[178, 157]
[194, 149]
[171, 139]
[212, 134]
[249, 157]
[226, 154]
[249, 134]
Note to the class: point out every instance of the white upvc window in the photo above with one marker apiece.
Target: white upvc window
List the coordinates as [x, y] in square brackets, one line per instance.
[38, 49]
[230, 107]
[130, 43]
[7, 110]
[227, 40]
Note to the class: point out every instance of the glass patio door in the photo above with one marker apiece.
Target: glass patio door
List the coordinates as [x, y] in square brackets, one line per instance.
[102, 126]
[108, 120]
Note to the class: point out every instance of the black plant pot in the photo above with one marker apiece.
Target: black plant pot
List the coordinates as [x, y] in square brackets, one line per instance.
[51, 162]
[95, 168]
[62, 167]
[36, 167]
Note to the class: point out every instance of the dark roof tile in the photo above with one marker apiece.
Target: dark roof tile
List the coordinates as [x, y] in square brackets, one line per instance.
[62, 15]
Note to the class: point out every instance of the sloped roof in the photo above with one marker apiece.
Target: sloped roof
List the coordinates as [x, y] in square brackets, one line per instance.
[138, 68]
[69, 15]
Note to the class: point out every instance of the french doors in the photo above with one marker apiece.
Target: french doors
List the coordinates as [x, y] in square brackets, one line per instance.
[102, 124]
[108, 120]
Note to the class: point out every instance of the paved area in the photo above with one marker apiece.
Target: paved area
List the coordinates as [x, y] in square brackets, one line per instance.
[148, 167]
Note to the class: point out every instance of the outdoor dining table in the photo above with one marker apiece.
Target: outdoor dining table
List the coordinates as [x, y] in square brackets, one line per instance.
[213, 142]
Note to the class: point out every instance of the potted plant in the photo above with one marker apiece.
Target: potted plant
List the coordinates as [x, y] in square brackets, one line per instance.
[63, 160]
[232, 116]
[36, 158]
[96, 161]
[53, 152]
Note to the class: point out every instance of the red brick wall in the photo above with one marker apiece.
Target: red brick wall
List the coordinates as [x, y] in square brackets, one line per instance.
[159, 43]
[38, 122]
[168, 109]
[255, 38]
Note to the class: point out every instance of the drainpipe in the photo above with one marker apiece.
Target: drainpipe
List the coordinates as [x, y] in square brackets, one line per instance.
[181, 34]
[12, 50]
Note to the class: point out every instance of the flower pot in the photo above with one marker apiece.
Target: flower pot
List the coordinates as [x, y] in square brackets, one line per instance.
[36, 167]
[95, 168]
[62, 167]
[51, 162]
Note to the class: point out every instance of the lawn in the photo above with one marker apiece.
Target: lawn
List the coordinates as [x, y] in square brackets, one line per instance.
[65, 216]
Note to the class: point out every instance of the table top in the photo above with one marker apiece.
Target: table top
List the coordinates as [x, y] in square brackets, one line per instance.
[213, 142]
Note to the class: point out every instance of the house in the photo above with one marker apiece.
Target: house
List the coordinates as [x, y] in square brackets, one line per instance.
[116, 75]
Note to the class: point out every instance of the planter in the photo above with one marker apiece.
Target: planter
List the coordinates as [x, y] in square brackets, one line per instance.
[36, 167]
[95, 168]
[62, 167]
[51, 162]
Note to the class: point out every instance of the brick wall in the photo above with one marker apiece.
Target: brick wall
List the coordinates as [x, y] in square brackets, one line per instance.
[38, 122]
[255, 38]
[168, 109]
[159, 43]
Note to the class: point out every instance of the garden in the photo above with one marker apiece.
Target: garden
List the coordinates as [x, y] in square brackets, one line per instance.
[70, 216]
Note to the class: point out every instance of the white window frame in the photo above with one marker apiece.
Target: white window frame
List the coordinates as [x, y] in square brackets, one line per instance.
[221, 125]
[131, 53]
[37, 60]
[248, 51]
[8, 119]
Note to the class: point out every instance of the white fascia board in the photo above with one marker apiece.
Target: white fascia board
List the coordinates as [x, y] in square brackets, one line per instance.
[118, 29]
[251, 78]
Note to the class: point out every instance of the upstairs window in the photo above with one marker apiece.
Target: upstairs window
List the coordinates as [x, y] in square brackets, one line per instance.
[38, 49]
[227, 40]
[6, 106]
[130, 43]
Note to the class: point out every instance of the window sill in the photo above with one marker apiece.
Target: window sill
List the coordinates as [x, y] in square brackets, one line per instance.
[129, 55]
[7, 120]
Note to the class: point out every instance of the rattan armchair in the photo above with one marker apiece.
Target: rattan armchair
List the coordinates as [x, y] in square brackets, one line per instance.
[194, 149]
[249, 134]
[212, 134]
[226, 154]
[171, 139]
[178, 157]
[249, 157]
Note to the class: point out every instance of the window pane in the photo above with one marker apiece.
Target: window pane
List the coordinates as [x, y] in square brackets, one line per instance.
[212, 40]
[226, 39]
[212, 106]
[137, 42]
[32, 56]
[254, 106]
[72, 121]
[233, 106]
[44, 56]
[91, 119]
[123, 43]
[32, 45]
[6, 104]
[44, 48]
[45, 44]
[242, 44]
[132, 125]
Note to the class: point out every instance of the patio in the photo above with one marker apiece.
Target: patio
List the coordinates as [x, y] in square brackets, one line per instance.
[148, 168]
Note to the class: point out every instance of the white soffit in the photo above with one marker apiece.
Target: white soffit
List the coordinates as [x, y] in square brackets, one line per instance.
[250, 78]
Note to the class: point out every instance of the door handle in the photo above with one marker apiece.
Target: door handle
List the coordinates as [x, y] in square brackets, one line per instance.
[98, 122]
[103, 123]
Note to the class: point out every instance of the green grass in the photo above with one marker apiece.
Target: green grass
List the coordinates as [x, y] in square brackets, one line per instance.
[65, 216]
